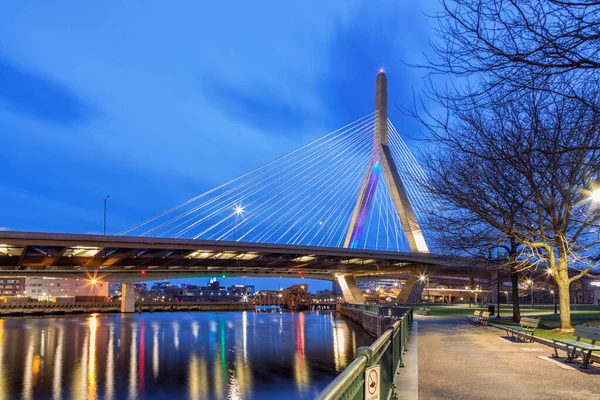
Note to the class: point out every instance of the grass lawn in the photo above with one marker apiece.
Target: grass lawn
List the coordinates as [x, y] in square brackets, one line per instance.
[464, 310]
[548, 322]
[580, 314]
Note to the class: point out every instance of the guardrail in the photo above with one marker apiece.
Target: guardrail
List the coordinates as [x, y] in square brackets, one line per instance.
[386, 353]
[384, 311]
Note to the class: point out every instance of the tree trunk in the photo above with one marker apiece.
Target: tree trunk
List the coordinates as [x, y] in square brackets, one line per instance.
[514, 277]
[564, 299]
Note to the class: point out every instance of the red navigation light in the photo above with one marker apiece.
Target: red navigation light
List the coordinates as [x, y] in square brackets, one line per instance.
[143, 271]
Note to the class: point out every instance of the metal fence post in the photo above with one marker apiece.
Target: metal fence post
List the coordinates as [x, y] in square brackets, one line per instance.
[401, 341]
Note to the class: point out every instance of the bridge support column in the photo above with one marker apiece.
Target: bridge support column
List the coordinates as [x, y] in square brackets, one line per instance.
[127, 298]
[412, 290]
[350, 290]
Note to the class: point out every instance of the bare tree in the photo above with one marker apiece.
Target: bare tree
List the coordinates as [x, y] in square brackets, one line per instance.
[494, 41]
[518, 168]
[456, 229]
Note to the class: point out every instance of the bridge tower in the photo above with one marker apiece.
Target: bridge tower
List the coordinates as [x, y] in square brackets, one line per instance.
[383, 167]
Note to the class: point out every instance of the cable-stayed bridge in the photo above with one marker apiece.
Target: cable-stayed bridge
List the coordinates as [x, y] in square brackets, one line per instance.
[350, 203]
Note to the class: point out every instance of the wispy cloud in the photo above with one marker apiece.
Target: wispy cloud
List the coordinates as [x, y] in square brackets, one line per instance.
[35, 95]
[259, 106]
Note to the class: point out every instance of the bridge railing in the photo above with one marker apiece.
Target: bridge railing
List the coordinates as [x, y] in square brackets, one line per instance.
[386, 352]
[384, 311]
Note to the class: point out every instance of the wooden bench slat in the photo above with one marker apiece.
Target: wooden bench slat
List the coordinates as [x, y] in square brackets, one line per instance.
[587, 332]
[578, 343]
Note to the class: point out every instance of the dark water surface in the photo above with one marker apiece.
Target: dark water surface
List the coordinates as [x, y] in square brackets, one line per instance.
[221, 355]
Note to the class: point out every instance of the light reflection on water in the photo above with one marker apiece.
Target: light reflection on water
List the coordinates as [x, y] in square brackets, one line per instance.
[229, 355]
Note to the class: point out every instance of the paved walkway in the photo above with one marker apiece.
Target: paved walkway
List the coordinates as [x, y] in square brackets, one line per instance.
[460, 361]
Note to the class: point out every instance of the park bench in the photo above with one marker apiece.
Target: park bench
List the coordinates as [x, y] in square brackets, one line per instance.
[473, 318]
[586, 349]
[423, 310]
[525, 330]
[483, 318]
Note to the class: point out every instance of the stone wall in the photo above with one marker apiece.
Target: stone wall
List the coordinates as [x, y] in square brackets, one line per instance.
[373, 324]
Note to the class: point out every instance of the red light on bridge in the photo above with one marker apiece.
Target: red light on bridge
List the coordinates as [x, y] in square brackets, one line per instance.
[142, 271]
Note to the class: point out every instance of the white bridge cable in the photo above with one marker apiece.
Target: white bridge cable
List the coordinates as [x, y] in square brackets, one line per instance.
[326, 173]
[261, 185]
[299, 159]
[256, 183]
[306, 197]
[296, 209]
[335, 133]
[333, 195]
[262, 195]
[412, 175]
[352, 180]
[219, 202]
[305, 186]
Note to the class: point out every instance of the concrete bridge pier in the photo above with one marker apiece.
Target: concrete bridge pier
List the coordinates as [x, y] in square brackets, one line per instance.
[350, 290]
[127, 298]
[412, 289]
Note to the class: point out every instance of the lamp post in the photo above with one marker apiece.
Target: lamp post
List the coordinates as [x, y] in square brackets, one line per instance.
[105, 200]
[424, 278]
[530, 282]
[549, 272]
[555, 305]
[498, 295]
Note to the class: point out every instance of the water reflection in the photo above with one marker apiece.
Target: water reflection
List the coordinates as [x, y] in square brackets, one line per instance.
[110, 365]
[58, 365]
[246, 355]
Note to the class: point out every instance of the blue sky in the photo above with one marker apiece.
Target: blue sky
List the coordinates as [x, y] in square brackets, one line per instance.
[153, 103]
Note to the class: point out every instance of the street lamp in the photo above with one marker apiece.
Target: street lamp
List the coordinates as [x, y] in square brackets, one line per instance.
[530, 282]
[555, 305]
[422, 278]
[104, 200]
[238, 211]
[498, 295]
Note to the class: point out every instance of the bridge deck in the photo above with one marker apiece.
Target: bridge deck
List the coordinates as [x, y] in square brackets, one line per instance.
[122, 257]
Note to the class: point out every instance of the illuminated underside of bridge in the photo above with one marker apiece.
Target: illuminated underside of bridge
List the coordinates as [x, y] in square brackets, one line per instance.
[132, 259]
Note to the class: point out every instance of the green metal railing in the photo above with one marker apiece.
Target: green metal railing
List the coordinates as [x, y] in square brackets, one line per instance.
[386, 352]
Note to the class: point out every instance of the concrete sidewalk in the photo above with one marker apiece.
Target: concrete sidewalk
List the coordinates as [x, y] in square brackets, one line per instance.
[460, 361]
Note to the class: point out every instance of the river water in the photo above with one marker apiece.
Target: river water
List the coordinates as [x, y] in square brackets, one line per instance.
[195, 355]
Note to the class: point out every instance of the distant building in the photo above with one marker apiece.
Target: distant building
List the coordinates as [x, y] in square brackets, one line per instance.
[114, 289]
[12, 287]
[585, 291]
[324, 295]
[141, 290]
[380, 284]
[213, 286]
[49, 289]
[241, 289]
[160, 287]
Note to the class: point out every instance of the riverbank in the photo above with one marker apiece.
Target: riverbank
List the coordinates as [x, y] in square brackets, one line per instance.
[25, 309]
[373, 324]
